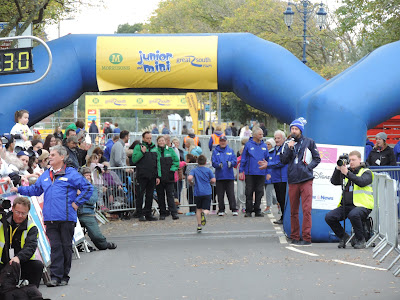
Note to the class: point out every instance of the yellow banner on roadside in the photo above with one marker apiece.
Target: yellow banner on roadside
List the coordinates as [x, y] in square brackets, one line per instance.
[177, 62]
[191, 100]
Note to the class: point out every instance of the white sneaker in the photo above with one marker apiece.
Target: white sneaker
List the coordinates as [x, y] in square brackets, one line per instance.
[235, 213]
[221, 213]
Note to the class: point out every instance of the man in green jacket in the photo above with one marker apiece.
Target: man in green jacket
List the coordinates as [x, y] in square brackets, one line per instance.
[148, 173]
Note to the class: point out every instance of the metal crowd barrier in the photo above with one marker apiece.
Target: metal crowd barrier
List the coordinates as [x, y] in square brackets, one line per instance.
[116, 188]
[394, 173]
[188, 191]
[385, 218]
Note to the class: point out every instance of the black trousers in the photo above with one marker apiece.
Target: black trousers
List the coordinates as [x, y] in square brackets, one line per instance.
[228, 187]
[355, 214]
[254, 185]
[145, 185]
[280, 191]
[32, 270]
[168, 189]
[60, 234]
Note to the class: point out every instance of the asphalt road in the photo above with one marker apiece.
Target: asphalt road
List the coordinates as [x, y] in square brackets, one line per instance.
[234, 258]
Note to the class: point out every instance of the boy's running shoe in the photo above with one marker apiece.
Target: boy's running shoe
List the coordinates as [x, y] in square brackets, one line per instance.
[203, 219]
[199, 229]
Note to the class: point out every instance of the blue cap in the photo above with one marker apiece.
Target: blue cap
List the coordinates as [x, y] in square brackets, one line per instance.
[299, 123]
[22, 153]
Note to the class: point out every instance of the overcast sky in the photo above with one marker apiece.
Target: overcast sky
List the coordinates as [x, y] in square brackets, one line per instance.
[106, 20]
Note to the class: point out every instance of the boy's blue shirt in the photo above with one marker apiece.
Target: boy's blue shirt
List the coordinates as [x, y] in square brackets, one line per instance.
[202, 176]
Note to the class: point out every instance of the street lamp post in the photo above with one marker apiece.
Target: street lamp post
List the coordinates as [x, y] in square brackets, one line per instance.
[306, 9]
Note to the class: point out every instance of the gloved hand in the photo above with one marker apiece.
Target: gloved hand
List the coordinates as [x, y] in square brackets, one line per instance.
[229, 164]
[220, 165]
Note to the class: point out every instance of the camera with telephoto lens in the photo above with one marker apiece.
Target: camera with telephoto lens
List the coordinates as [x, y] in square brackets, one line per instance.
[343, 160]
[4, 204]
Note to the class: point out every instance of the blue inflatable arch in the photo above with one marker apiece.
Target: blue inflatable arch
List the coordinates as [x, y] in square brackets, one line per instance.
[261, 73]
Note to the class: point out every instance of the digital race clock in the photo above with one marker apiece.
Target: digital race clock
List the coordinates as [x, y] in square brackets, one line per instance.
[15, 61]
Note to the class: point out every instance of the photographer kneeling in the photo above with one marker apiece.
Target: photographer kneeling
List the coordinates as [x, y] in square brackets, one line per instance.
[23, 243]
[357, 198]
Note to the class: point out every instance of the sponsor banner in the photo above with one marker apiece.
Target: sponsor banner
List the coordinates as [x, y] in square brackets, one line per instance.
[139, 102]
[191, 100]
[178, 62]
[326, 195]
[37, 216]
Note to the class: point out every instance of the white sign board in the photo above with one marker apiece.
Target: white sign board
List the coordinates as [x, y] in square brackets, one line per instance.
[325, 195]
[23, 43]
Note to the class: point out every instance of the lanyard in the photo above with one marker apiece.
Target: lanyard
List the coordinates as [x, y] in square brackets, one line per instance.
[298, 149]
[12, 235]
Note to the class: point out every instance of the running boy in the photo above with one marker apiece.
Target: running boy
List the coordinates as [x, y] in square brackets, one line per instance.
[202, 190]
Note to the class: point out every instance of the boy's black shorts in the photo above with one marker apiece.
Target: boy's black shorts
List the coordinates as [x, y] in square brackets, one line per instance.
[203, 202]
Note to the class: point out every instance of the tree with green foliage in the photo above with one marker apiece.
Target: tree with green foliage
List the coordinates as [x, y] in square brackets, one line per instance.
[126, 28]
[328, 52]
[38, 13]
[374, 23]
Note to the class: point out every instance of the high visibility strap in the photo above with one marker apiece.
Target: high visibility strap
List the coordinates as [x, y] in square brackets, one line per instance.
[363, 192]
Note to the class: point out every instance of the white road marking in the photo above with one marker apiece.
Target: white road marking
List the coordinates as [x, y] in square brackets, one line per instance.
[282, 239]
[358, 265]
[301, 251]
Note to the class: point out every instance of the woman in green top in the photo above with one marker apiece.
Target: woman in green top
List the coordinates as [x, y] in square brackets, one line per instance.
[169, 163]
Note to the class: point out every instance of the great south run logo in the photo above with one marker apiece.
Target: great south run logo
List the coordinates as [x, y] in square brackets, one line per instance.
[198, 62]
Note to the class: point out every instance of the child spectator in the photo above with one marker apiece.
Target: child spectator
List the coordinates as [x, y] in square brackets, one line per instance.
[20, 131]
[203, 177]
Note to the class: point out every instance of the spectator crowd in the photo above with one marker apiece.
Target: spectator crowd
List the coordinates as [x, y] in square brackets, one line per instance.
[92, 178]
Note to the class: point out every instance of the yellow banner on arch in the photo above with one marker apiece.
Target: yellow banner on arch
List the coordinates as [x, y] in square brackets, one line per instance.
[138, 102]
[177, 62]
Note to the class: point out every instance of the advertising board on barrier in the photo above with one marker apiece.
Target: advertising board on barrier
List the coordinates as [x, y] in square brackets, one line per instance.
[43, 243]
[177, 62]
[325, 195]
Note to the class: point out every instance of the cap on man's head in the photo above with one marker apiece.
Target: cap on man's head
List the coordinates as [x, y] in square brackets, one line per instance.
[382, 136]
[23, 153]
[45, 154]
[107, 123]
[223, 138]
[72, 139]
[299, 123]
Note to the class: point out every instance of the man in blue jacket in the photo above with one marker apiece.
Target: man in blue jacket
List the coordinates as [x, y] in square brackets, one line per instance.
[224, 160]
[110, 143]
[59, 185]
[279, 172]
[302, 156]
[254, 165]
